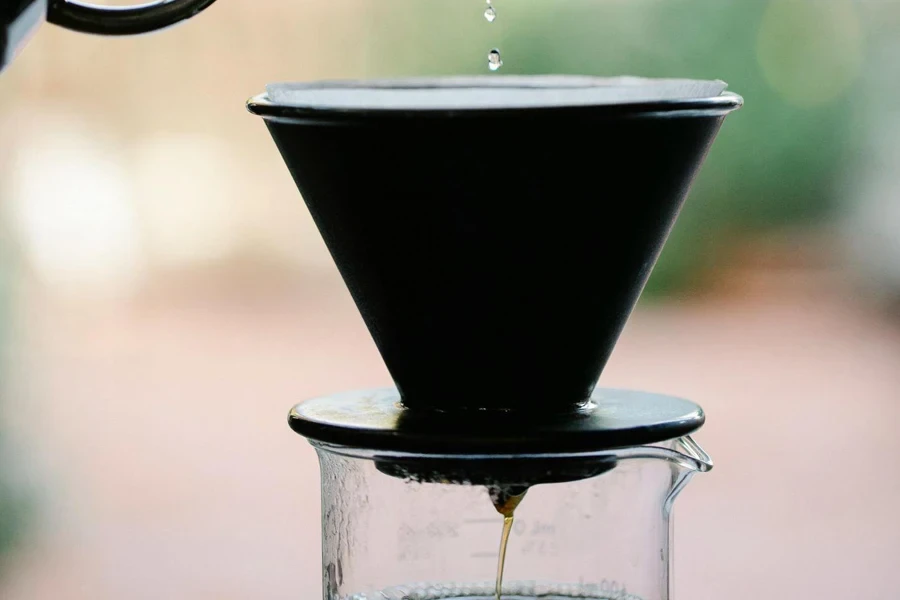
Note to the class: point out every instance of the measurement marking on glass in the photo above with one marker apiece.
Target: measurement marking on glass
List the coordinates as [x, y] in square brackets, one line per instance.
[480, 521]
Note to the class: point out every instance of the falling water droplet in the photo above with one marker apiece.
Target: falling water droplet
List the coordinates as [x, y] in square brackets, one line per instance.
[490, 14]
[494, 61]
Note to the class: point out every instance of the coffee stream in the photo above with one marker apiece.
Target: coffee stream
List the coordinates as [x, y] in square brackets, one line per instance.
[505, 499]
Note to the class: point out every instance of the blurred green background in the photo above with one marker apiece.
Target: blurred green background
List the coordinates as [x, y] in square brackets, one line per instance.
[8, 518]
[14, 510]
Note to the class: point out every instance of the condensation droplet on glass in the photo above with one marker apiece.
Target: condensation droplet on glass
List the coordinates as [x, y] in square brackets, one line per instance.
[494, 61]
[490, 14]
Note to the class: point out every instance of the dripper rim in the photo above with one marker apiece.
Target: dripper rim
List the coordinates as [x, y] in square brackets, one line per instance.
[262, 105]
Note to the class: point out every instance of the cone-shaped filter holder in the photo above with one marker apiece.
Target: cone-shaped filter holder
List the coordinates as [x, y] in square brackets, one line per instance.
[495, 232]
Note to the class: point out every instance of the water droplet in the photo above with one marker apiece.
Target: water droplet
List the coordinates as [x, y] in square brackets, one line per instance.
[490, 14]
[494, 61]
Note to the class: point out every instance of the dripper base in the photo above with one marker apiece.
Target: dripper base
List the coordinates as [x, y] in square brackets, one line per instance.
[377, 420]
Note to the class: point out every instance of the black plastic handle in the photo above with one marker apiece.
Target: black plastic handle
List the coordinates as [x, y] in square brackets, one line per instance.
[122, 20]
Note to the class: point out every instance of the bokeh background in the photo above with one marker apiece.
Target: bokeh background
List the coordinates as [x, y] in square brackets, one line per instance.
[164, 296]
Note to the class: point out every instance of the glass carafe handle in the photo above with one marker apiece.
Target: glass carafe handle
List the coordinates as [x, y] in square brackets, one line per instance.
[122, 20]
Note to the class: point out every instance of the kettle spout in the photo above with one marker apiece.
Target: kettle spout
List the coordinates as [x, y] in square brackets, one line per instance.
[17, 25]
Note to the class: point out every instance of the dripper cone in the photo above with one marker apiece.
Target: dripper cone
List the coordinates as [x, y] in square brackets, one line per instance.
[494, 248]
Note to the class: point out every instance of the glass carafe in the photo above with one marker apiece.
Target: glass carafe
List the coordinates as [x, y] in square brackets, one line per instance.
[388, 536]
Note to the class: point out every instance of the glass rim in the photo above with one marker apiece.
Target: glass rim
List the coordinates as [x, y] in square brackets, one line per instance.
[690, 456]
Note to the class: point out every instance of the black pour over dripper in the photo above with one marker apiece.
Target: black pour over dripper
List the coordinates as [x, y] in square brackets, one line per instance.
[495, 234]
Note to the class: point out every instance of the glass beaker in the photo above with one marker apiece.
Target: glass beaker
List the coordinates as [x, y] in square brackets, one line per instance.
[392, 534]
